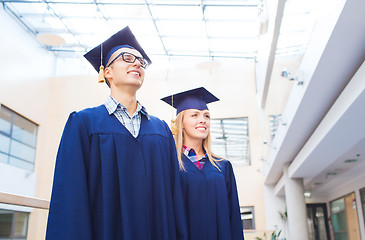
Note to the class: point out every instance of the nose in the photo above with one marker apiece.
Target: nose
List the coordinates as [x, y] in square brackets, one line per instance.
[137, 63]
[202, 119]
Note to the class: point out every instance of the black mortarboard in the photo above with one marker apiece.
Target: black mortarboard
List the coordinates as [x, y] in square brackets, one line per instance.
[123, 38]
[197, 98]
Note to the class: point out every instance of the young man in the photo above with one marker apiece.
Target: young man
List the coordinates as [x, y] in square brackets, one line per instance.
[116, 174]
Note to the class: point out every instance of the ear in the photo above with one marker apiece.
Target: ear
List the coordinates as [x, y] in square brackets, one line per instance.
[108, 73]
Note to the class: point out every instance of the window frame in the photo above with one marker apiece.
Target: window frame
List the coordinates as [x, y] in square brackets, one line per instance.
[13, 222]
[243, 213]
[10, 136]
[246, 158]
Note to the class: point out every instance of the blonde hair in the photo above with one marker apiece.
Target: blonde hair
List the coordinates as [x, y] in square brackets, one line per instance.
[179, 140]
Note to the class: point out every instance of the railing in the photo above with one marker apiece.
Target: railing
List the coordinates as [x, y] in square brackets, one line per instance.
[19, 200]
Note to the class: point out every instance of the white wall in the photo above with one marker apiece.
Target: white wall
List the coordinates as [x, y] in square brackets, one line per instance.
[24, 65]
[25, 88]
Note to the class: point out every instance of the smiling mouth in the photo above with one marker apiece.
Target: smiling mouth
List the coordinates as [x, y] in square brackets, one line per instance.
[135, 73]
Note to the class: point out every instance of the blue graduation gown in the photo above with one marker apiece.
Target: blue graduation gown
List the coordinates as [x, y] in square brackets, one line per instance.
[211, 201]
[109, 185]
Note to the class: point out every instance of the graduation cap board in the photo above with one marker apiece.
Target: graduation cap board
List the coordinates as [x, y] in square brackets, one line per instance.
[197, 98]
[99, 56]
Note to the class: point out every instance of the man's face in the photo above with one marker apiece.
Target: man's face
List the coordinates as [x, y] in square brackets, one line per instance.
[121, 73]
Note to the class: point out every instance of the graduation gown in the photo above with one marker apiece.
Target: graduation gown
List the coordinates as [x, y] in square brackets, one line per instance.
[109, 185]
[211, 201]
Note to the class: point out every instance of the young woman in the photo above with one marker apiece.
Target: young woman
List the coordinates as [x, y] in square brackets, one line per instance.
[208, 182]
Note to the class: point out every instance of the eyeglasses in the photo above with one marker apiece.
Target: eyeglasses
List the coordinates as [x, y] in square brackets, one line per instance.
[130, 58]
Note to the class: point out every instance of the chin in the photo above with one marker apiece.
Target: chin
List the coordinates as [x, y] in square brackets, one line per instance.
[136, 84]
[202, 136]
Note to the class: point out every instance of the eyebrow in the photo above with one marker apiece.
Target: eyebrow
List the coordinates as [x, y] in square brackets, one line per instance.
[200, 111]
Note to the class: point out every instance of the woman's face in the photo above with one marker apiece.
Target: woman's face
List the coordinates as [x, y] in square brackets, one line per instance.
[195, 124]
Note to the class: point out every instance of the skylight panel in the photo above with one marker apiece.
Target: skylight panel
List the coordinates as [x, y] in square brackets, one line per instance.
[182, 28]
[186, 44]
[233, 45]
[231, 13]
[28, 8]
[175, 2]
[75, 10]
[152, 45]
[136, 12]
[72, 1]
[113, 2]
[231, 29]
[177, 12]
[85, 25]
[45, 24]
[232, 2]
[138, 27]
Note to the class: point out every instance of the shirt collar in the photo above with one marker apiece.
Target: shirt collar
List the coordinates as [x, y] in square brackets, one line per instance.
[191, 152]
[112, 104]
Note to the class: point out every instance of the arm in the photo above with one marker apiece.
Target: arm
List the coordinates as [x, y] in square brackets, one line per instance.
[180, 216]
[234, 207]
[69, 213]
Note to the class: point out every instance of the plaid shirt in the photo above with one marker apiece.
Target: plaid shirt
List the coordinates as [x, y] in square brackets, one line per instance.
[190, 153]
[133, 124]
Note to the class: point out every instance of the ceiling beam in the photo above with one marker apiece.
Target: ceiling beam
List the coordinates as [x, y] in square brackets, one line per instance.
[269, 60]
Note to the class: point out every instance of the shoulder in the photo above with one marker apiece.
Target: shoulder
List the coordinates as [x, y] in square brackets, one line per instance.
[92, 112]
[86, 116]
[156, 120]
[224, 164]
[159, 125]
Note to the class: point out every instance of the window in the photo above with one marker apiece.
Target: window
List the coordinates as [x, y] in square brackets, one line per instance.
[230, 139]
[18, 137]
[274, 121]
[13, 225]
[344, 217]
[248, 217]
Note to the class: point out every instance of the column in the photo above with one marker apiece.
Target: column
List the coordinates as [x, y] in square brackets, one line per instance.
[296, 208]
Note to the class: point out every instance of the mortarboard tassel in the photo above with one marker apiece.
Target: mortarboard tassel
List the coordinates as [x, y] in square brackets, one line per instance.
[101, 77]
[174, 130]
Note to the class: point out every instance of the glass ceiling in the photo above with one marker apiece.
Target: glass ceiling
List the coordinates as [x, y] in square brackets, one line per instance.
[201, 28]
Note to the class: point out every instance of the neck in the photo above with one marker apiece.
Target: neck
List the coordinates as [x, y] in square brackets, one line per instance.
[128, 99]
[197, 145]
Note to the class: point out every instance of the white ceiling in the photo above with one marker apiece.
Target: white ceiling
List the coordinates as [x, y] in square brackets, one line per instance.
[208, 28]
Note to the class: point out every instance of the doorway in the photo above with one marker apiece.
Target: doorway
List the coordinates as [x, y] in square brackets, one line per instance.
[317, 221]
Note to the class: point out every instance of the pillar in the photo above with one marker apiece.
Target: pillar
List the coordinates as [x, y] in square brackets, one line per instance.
[296, 208]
